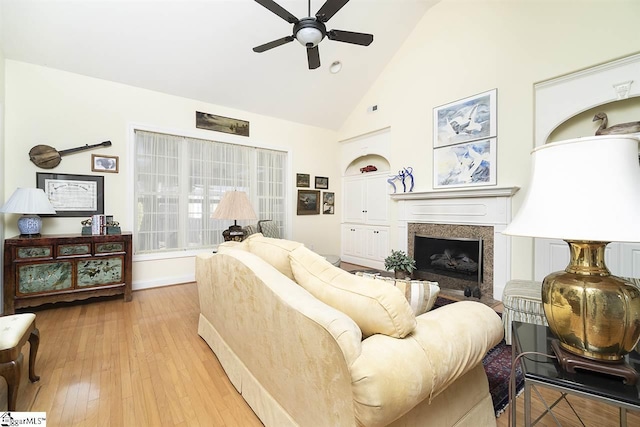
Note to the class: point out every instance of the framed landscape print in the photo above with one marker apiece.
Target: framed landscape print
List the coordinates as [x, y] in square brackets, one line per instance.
[222, 124]
[303, 180]
[465, 165]
[322, 182]
[468, 119]
[308, 202]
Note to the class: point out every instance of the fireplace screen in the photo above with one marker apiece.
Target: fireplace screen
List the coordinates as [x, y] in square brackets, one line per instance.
[457, 258]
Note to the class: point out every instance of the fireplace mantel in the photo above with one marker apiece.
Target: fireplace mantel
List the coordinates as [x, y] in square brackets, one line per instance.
[457, 194]
[490, 206]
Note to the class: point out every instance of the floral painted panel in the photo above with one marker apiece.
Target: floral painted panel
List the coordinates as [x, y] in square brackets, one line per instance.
[102, 248]
[100, 271]
[34, 252]
[52, 276]
[66, 250]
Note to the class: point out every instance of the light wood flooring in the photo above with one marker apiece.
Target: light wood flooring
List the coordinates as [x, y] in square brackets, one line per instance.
[142, 363]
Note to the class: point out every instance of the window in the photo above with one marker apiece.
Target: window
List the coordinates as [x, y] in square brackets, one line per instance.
[180, 181]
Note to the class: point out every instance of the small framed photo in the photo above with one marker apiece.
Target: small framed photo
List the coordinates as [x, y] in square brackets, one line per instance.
[102, 163]
[303, 180]
[322, 182]
[328, 202]
[308, 202]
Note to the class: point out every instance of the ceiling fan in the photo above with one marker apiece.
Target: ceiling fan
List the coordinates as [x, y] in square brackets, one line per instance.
[311, 30]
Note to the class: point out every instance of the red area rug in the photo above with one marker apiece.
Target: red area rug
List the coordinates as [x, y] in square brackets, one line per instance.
[497, 365]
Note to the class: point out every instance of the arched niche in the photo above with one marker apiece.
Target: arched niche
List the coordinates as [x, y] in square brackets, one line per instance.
[381, 163]
[561, 99]
[373, 148]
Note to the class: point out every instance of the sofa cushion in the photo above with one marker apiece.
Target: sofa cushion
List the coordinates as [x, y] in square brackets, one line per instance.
[420, 294]
[376, 307]
[273, 251]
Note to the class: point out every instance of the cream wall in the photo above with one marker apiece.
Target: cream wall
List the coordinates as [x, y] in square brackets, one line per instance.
[65, 110]
[463, 47]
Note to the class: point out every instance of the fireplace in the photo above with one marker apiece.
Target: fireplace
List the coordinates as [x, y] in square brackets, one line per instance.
[458, 258]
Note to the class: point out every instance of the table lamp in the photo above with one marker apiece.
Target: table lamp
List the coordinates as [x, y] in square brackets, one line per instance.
[586, 191]
[30, 202]
[234, 205]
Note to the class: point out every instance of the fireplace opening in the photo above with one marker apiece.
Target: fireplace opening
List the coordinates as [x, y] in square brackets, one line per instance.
[457, 258]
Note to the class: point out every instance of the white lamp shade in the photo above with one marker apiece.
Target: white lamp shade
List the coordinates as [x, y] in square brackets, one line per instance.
[234, 205]
[583, 189]
[28, 201]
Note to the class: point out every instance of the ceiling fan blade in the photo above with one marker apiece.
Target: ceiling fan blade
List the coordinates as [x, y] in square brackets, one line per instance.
[350, 37]
[278, 10]
[275, 43]
[330, 8]
[313, 56]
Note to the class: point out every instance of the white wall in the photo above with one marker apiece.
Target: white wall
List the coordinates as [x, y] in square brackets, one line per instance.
[2, 198]
[463, 47]
[65, 110]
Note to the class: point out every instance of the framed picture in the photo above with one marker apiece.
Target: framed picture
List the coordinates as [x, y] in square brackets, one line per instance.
[468, 119]
[73, 195]
[102, 163]
[322, 182]
[328, 202]
[303, 180]
[465, 165]
[308, 202]
[222, 124]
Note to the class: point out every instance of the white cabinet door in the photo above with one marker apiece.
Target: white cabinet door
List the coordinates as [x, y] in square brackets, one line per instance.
[376, 200]
[630, 260]
[366, 199]
[354, 200]
[377, 243]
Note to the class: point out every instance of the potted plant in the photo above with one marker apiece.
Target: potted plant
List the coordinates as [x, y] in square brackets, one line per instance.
[400, 263]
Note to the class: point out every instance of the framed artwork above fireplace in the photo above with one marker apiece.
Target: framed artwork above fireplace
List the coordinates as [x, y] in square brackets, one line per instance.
[468, 164]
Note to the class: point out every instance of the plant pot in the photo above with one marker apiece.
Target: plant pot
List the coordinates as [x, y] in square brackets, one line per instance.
[401, 274]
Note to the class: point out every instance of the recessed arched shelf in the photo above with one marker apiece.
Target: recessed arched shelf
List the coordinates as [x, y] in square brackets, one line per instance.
[560, 99]
[381, 164]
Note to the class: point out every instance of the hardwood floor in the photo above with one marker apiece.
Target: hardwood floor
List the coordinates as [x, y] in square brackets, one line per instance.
[142, 363]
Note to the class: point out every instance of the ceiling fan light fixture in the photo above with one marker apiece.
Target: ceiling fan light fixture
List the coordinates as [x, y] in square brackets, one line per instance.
[309, 36]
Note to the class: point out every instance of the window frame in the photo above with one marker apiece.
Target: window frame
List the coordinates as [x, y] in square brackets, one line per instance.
[206, 135]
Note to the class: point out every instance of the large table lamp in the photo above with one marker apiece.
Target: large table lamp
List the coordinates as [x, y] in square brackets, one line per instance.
[234, 205]
[30, 202]
[586, 191]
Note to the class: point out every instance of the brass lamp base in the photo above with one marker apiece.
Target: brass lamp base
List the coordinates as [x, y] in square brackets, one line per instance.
[570, 362]
[592, 313]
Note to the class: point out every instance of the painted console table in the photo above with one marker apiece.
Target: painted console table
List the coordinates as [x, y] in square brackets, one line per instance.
[53, 268]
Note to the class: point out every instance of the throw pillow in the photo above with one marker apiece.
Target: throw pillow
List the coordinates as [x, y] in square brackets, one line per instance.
[375, 307]
[273, 251]
[420, 294]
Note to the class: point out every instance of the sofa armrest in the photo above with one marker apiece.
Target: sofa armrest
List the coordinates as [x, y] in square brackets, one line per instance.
[391, 376]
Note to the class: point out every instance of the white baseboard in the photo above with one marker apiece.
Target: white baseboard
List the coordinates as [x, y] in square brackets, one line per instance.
[165, 281]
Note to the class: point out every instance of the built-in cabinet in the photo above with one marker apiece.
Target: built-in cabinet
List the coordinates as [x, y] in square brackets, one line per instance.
[365, 228]
[365, 199]
[622, 259]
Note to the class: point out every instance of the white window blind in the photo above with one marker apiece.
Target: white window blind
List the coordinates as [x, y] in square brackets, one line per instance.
[180, 181]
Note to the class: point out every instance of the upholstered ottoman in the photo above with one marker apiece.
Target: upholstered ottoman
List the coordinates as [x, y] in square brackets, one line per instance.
[522, 300]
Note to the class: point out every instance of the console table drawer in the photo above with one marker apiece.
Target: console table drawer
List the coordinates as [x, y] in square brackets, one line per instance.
[111, 247]
[72, 250]
[31, 252]
[100, 271]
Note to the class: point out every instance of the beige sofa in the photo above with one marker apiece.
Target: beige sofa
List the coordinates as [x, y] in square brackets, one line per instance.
[298, 360]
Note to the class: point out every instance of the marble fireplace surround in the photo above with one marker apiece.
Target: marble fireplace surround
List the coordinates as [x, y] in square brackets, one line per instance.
[476, 212]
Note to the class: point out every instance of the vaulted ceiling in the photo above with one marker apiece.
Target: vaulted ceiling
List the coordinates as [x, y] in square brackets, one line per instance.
[202, 49]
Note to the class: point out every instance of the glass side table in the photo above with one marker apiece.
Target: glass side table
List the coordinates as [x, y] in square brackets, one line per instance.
[543, 371]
